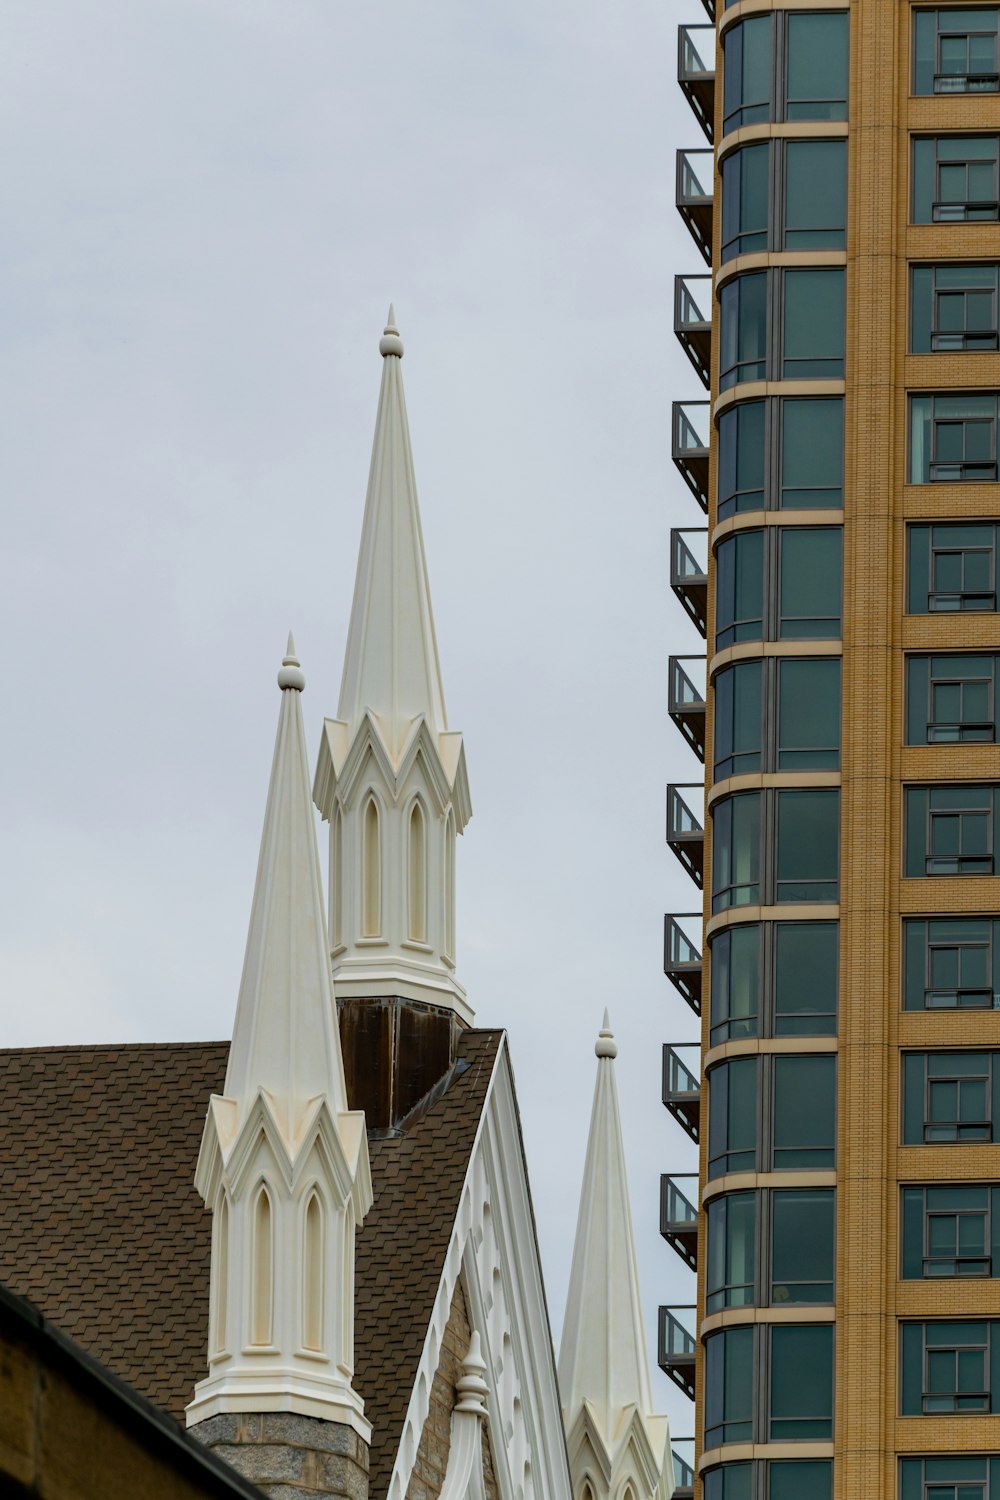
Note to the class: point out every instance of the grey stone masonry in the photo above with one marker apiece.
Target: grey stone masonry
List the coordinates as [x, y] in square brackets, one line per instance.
[288, 1456]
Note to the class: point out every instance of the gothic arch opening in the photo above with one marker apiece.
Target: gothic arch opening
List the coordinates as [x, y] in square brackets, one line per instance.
[312, 1274]
[417, 875]
[371, 871]
[262, 1263]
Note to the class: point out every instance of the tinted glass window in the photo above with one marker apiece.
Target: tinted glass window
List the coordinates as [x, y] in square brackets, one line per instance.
[805, 1113]
[801, 1404]
[816, 67]
[955, 51]
[809, 605]
[741, 459]
[738, 720]
[729, 1482]
[951, 963]
[950, 1096]
[950, 700]
[745, 200]
[802, 1245]
[812, 454]
[743, 330]
[739, 582]
[954, 178]
[805, 978]
[732, 1251]
[815, 195]
[729, 1367]
[732, 1117]
[736, 851]
[950, 1230]
[953, 308]
[952, 568]
[808, 827]
[735, 983]
[805, 1480]
[808, 714]
[747, 74]
[950, 830]
[813, 321]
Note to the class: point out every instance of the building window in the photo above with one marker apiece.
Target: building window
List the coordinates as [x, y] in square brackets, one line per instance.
[951, 830]
[955, 1476]
[950, 700]
[770, 1249]
[774, 846]
[779, 714]
[792, 965]
[950, 1096]
[951, 963]
[782, 325]
[780, 583]
[787, 1479]
[953, 308]
[955, 51]
[955, 178]
[952, 568]
[784, 195]
[949, 1367]
[953, 439]
[797, 1402]
[791, 66]
[781, 454]
[798, 1130]
[950, 1230]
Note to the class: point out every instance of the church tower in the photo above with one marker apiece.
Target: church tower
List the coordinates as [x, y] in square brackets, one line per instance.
[391, 782]
[617, 1446]
[284, 1169]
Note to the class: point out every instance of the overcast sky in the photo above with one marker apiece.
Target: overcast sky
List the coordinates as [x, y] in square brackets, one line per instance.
[208, 205]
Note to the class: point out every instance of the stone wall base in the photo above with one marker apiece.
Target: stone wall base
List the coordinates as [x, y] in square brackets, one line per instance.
[288, 1456]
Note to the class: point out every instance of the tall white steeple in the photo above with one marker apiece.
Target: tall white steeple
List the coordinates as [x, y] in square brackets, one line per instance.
[391, 778]
[283, 1163]
[612, 1434]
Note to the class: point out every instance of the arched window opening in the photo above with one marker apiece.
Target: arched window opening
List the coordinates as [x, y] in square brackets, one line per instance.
[449, 887]
[263, 1258]
[337, 878]
[417, 888]
[221, 1272]
[312, 1276]
[371, 873]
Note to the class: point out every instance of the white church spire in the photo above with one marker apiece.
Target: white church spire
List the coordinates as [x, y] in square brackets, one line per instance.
[283, 1164]
[391, 665]
[611, 1429]
[391, 777]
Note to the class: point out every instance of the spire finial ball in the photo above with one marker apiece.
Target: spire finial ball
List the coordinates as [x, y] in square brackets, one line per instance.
[291, 674]
[606, 1046]
[390, 342]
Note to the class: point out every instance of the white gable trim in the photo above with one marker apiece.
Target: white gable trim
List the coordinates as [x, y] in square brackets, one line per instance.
[494, 1249]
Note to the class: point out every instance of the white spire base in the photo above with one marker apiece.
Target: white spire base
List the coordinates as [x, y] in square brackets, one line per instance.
[331, 1399]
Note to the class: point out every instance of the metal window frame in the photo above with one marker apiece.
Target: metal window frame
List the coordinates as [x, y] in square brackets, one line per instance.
[772, 484]
[767, 970]
[933, 552]
[939, 205]
[764, 1120]
[967, 730]
[776, 364]
[762, 1286]
[956, 1349]
[772, 619]
[768, 888]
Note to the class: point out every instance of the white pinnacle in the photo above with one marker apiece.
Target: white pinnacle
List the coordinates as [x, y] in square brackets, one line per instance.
[391, 665]
[602, 1360]
[285, 1038]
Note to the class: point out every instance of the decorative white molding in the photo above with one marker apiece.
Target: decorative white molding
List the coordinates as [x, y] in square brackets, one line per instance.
[613, 1436]
[464, 1478]
[493, 1249]
[391, 741]
[282, 1138]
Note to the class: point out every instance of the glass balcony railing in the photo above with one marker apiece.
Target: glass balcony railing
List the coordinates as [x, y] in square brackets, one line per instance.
[695, 196]
[693, 321]
[682, 956]
[682, 1453]
[685, 834]
[676, 1346]
[686, 700]
[696, 73]
[678, 1215]
[689, 572]
[689, 446]
[681, 1087]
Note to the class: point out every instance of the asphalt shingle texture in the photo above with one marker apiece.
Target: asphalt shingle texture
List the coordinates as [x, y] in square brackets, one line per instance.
[102, 1229]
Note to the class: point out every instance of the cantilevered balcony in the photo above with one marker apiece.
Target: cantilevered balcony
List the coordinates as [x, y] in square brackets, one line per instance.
[681, 1088]
[682, 1450]
[689, 571]
[686, 700]
[709, 8]
[695, 200]
[693, 321]
[676, 1346]
[682, 957]
[678, 1215]
[685, 835]
[689, 444]
[696, 73]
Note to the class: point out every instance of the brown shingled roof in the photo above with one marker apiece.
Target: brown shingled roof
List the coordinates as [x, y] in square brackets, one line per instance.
[102, 1229]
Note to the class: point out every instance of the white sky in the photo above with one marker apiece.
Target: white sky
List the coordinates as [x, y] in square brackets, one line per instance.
[208, 205]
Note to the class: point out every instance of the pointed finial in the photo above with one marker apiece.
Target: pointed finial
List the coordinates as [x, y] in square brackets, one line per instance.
[471, 1387]
[291, 674]
[390, 342]
[606, 1046]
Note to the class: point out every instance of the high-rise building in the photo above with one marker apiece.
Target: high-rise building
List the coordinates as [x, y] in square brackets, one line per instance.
[845, 1227]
